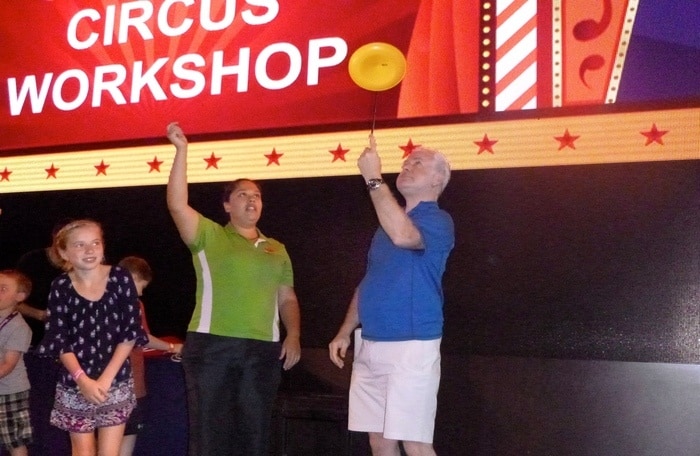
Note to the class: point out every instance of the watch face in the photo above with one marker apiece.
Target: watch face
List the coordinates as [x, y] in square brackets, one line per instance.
[373, 184]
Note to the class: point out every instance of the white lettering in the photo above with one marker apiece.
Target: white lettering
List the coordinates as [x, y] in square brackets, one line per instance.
[206, 20]
[138, 22]
[294, 66]
[140, 80]
[110, 15]
[182, 72]
[218, 71]
[279, 65]
[72, 31]
[57, 95]
[249, 17]
[120, 18]
[164, 25]
[37, 98]
[316, 62]
[112, 86]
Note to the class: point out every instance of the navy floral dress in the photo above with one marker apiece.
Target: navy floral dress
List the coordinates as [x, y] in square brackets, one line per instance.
[92, 329]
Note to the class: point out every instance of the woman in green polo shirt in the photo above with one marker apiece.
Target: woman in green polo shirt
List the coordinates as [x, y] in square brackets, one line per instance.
[233, 354]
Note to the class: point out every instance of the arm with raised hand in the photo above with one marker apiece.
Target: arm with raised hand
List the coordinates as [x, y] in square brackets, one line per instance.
[392, 217]
[185, 217]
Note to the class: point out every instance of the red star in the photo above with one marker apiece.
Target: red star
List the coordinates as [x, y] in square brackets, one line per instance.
[338, 153]
[212, 161]
[408, 148]
[274, 157]
[155, 164]
[51, 172]
[485, 145]
[5, 175]
[101, 168]
[654, 135]
[567, 140]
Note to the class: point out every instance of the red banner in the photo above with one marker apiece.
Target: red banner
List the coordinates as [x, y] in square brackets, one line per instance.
[92, 71]
[85, 73]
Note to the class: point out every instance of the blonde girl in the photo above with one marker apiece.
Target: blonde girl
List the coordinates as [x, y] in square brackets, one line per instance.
[93, 323]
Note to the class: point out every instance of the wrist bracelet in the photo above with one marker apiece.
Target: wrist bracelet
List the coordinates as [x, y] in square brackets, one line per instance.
[76, 375]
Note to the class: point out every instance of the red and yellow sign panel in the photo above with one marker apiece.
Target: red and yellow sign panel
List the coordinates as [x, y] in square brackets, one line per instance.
[86, 85]
[91, 71]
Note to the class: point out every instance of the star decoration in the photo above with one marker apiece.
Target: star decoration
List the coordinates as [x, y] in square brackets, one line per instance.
[567, 140]
[274, 157]
[155, 164]
[485, 145]
[101, 168]
[338, 153]
[212, 161]
[51, 172]
[654, 135]
[408, 148]
[5, 175]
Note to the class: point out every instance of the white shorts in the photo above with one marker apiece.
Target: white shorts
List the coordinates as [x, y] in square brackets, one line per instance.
[393, 388]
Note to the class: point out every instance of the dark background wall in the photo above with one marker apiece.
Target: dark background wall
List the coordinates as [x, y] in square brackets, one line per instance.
[556, 272]
[588, 262]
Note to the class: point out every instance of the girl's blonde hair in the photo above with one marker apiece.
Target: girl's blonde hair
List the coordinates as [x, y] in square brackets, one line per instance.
[60, 241]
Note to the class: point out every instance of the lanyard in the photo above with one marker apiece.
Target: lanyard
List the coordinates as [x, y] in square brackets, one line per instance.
[7, 319]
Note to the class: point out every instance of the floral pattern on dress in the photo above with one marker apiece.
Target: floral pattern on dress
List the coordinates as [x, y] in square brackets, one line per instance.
[73, 413]
[92, 329]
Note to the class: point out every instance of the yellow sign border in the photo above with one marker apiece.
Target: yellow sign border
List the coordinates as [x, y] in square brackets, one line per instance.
[655, 135]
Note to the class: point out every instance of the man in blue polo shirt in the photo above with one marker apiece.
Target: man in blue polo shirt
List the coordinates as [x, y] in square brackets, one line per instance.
[399, 305]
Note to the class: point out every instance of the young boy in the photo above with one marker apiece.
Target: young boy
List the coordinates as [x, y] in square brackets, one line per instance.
[142, 274]
[15, 336]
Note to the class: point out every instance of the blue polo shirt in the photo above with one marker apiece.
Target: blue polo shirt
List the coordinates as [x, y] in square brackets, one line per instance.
[400, 296]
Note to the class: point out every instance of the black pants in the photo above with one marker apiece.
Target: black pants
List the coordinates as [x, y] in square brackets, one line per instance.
[231, 388]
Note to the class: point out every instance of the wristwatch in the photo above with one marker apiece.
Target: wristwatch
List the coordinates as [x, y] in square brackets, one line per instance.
[374, 183]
